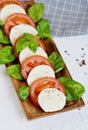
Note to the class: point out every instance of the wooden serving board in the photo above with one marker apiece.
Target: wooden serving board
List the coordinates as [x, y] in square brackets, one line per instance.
[30, 110]
[33, 112]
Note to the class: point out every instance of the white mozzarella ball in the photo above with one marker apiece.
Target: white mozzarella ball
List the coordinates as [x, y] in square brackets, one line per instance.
[26, 52]
[51, 99]
[40, 71]
[18, 31]
[10, 9]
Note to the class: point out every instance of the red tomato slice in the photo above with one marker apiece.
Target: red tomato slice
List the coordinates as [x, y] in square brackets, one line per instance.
[37, 86]
[6, 2]
[32, 61]
[16, 19]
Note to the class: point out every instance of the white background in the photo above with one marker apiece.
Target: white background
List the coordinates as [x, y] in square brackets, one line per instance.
[12, 116]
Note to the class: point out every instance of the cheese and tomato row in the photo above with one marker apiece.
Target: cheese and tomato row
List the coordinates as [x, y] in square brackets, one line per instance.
[46, 92]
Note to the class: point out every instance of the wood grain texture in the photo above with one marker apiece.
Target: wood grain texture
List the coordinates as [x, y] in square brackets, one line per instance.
[30, 110]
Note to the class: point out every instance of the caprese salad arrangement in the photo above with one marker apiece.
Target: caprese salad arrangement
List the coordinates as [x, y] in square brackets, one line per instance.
[21, 32]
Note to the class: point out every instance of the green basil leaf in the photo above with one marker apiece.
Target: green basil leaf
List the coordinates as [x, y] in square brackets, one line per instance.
[15, 71]
[23, 92]
[1, 23]
[3, 38]
[57, 62]
[43, 28]
[36, 11]
[64, 79]
[6, 55]
[74, 89]
[27, 40]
